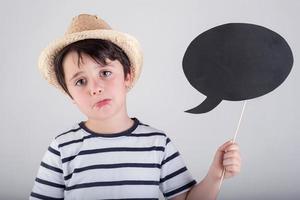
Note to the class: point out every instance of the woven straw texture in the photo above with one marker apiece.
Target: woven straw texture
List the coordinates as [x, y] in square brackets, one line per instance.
[90, 27]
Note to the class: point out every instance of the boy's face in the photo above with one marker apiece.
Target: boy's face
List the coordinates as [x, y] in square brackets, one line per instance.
[99, 91]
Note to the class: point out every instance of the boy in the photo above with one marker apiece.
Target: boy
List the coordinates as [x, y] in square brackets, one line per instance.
[112, 156]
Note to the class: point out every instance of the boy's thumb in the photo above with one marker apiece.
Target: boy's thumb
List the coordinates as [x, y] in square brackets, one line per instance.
[223, 147]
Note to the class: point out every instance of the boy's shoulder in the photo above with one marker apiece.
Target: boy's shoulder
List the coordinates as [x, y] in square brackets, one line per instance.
[72, 132]
[144, 128]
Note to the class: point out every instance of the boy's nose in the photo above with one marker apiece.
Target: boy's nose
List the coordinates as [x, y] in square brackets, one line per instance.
[96, 92]
[96, 88]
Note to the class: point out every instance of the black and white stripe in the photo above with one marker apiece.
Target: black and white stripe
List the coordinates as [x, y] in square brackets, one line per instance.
[135, 164]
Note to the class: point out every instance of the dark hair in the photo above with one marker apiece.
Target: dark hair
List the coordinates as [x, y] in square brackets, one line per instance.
[97, 49]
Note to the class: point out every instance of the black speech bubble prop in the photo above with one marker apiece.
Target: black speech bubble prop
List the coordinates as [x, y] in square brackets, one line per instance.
[236, 61]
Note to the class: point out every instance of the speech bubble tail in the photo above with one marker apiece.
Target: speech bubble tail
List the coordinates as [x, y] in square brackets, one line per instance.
[207, 105]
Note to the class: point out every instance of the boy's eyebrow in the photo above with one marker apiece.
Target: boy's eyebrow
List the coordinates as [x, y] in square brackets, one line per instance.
[75, 75]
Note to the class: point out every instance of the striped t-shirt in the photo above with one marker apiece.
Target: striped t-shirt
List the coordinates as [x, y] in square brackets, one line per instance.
[138, 163]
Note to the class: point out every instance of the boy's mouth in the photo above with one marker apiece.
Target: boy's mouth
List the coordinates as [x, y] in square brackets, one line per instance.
[102, 103]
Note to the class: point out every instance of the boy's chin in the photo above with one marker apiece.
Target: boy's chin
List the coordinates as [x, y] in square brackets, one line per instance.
[102, 115]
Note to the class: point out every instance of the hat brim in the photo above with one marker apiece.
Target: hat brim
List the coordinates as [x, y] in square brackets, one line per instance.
[125, 41]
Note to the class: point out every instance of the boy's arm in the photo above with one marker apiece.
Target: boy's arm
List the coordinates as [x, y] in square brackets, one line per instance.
[49, 182]
[207, 189]
[228, 157]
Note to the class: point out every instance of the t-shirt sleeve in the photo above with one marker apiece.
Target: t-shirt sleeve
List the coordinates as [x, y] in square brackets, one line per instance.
[175, 177]
[49, 182]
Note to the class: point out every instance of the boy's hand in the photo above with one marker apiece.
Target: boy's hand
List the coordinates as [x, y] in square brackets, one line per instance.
[228, 157]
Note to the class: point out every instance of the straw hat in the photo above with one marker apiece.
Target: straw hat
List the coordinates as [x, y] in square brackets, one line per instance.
[85, 26]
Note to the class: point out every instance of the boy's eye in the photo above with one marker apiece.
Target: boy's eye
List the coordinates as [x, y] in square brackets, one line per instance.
[80, 82]
[105, 73]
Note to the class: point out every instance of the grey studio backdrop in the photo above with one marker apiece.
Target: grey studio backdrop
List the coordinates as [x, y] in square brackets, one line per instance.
[33, 112]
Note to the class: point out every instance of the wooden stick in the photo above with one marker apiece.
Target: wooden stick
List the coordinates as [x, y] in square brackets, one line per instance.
[234, 138]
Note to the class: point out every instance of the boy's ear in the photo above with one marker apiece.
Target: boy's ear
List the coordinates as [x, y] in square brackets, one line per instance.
[128, 80]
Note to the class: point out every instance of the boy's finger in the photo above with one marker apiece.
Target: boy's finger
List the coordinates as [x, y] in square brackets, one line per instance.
[225, 145]
[231, 154]
[234, 169]
[232, 147]
[232, 161]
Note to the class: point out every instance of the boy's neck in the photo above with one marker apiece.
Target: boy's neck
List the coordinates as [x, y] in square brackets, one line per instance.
[114, 124]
